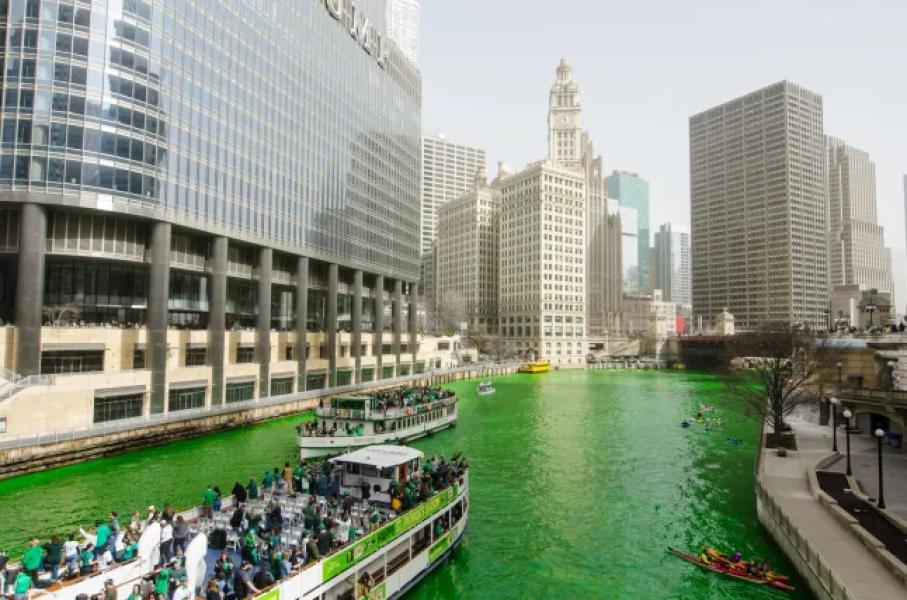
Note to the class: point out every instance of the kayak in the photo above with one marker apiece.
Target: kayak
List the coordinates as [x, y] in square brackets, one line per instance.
[735, 572]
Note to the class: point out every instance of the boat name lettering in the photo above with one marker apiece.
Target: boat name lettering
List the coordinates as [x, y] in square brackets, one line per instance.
[347, 12]
[370, 544]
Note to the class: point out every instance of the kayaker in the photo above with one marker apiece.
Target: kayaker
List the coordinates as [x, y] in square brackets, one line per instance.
[704, 557]
[762, 568]
[735, 557]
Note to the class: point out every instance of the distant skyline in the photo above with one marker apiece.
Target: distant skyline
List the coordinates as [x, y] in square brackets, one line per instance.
[645, 67]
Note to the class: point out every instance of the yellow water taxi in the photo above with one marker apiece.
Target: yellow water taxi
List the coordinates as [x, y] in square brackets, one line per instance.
[537, 366]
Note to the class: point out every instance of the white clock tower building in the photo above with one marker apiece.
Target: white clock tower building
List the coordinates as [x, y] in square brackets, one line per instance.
[565, 137]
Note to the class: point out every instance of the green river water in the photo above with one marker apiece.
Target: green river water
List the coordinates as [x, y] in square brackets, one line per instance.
[579, 482]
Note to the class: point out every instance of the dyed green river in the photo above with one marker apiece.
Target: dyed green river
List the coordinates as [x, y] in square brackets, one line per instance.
[580, 480]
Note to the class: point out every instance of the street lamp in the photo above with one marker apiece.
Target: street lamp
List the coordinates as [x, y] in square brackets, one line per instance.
[870, 308]
[834, 423]
[840, 366]
[880, 433]
[847, 415]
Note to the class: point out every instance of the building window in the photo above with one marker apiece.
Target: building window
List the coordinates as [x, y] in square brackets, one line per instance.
[367, 374]
[60, 362]
[138, 358]
[405, 369]
[385, 349]
[185, 399]
[245, 354]
[420, 367]
[2, 424]
[443, 345]
[196, 357]
[322, 351]
[289, 353]
[315, 381]
[387, 372]
[240, 392]
[344, 376]
[282, 386]
[118, 407]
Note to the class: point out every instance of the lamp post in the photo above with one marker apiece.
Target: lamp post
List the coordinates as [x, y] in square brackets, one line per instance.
[840, 366]
[880, 433]
[870, 308]
[847, 414]
[834, 423]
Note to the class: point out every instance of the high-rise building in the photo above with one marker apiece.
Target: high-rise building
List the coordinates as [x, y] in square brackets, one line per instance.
[604, 266]
[630, 248]
[542, 302]
[759, 210]
[857, 254]
[211, 221]
[403, 26]
[672, 265]
[448, 170]
[466, 254]
[632, 191]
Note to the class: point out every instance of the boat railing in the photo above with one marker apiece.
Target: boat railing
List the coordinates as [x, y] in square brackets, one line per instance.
[390, 413]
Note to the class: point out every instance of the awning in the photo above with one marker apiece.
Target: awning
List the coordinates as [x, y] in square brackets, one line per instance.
[120, 391]
[242, 379]
[185, 385]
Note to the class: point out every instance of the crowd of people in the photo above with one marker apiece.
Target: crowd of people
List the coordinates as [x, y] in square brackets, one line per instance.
[328, 520]
[403, 397]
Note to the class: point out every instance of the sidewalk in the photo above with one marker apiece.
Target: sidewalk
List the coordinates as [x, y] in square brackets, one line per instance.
[786, 480]
[864, 456]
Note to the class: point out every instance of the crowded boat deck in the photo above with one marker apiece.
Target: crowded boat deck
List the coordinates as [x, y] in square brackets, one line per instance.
[299, 530]
[387, 416]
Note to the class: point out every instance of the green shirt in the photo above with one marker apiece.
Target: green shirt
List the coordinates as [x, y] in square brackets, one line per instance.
[103, 534]
[208, 497]
[31, 560]
[23, 583]
[129, 552]
[267, 480]
[162, 582]
[86, 558]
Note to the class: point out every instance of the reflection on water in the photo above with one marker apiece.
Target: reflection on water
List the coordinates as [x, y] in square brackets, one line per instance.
[580, 480]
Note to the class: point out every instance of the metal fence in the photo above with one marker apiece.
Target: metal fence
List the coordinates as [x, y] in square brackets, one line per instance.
[809, 556]
[123, 425]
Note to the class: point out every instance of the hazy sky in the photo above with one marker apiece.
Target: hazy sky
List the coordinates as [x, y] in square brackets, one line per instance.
[645, 66]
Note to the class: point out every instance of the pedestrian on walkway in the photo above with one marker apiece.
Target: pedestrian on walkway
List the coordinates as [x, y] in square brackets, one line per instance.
[208, 498]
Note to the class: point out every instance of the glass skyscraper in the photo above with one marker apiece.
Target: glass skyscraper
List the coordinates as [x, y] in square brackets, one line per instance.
[208, 164]
[632, 191]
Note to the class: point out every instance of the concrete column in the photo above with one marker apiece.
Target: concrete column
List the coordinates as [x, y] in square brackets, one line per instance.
[397, 316]
[378, 337]
[413, 309]
[357, 324]
[158, 305]
[263, 323]
[217, 319]
[302, 312]
[30, 288]
[330, 326]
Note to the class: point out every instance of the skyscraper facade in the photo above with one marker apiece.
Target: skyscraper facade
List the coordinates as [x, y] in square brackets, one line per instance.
[672, 265]
[630, 253]
[404, 27]
[542, 302]
[205, 216]
[448, 170]
[466, 255]
[632, 191]
[759, 210]
[857, 254]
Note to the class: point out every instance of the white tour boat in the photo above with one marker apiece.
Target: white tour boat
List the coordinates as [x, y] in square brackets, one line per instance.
[380, 564]
[486, 388]
[386, 417]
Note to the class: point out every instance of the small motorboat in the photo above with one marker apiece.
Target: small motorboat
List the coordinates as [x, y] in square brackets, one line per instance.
[684, 423]
[721, 564]
[485, 388]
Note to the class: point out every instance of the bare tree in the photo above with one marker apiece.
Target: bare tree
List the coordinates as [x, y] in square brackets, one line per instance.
[776, 369]
[450, 312]
[57, 314]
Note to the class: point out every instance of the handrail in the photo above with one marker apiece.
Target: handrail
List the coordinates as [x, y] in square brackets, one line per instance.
[185, 415]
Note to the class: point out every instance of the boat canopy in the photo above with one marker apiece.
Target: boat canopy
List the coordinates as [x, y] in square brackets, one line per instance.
[381, 457]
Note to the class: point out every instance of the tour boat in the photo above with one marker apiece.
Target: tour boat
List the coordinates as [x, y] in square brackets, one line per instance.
[378, 565]
[537, 366]
[485, 388]
[356, 421]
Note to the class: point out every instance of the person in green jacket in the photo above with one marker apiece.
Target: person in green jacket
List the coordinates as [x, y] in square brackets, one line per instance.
[162, 581]
[252, 488]
[31, 560]
[208, 498]
[22, 585]
[103, 532]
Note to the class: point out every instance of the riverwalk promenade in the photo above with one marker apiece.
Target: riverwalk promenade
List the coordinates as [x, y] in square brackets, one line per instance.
[827, 552]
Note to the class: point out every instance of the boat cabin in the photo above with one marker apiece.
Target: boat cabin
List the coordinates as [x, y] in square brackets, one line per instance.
[377, 465]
